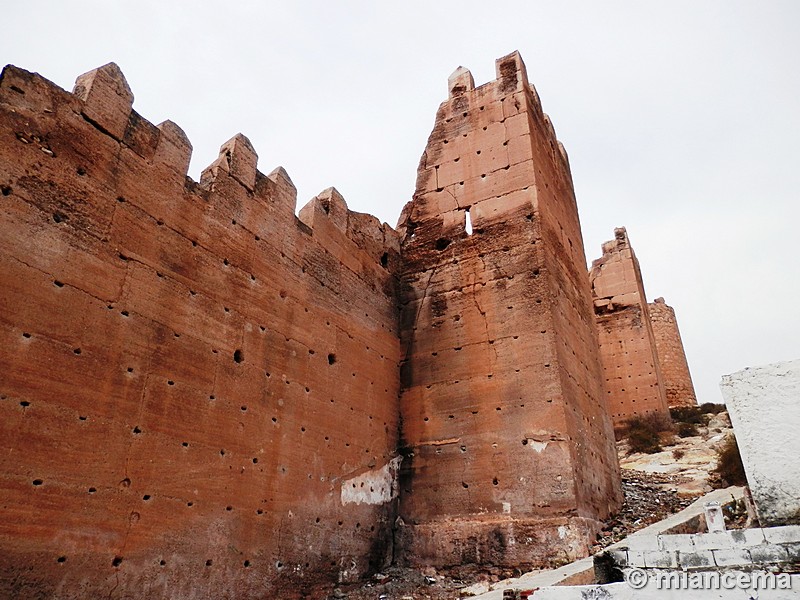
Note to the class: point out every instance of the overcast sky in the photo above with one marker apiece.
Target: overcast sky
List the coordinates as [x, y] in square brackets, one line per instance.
[680, 118]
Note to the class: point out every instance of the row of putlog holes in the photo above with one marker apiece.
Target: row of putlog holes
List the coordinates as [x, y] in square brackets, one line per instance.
[116, 562]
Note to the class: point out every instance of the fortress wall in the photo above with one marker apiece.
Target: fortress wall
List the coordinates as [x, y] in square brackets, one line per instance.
[678, 385]
[502, 407]
[199, 389]
[634, 384]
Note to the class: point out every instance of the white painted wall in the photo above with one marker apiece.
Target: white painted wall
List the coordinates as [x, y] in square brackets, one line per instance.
[764, 406]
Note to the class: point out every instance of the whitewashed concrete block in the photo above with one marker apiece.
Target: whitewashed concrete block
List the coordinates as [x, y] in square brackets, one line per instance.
[788, 534]
[661, 559]
[732, 557]
[769, 553]
[712, 541]
[636, 558]
[764, 406]
[682, 542]
[747, 537]
[698, 559]
[715, 520]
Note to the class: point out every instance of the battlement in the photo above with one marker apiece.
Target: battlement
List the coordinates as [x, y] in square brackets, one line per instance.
[478, 150]
[616, 277]
[104, 99]
[619, 243]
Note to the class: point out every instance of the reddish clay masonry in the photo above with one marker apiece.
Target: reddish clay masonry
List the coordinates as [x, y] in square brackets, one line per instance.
[678, 385]
[206, 396]
[508, 444]
[627, 345]
[199, 389]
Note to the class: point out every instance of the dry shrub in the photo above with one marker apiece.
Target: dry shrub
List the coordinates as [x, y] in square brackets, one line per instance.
[687, 429]
[692, 415]
[644, 432]
[730, 470]
[678, 454]
[711, 408]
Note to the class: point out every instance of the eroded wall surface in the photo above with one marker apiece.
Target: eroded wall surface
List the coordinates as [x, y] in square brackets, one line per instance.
[678, 386]
[509, 452]
[633, 381]
[199, 390]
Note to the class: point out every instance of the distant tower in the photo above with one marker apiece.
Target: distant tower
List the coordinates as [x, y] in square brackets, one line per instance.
[627, 345]
[671, 356]
[510, 455]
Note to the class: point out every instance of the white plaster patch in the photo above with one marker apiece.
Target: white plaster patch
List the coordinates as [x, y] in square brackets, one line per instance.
[562, 532]
[537, 446]
[373, 487]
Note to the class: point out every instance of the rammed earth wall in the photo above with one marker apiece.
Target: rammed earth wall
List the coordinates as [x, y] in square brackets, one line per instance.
[199, 389]
[508, 443]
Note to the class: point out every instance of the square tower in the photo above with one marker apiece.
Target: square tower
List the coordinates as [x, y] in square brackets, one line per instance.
[628, 352]
[509, 447]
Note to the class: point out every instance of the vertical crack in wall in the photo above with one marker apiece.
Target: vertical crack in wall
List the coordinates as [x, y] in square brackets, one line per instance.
[492, 350]
[139, 411]
[419, 311]
[116, 585]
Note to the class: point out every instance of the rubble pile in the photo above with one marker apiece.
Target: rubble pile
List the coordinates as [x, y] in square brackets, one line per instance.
[649, 498]
[408, 584]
